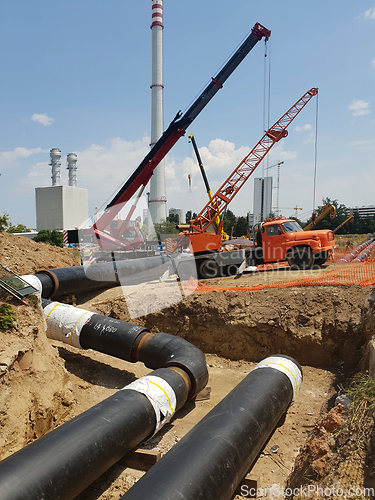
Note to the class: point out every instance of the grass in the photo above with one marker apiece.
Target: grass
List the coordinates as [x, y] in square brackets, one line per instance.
[362, 392]
[7, 317]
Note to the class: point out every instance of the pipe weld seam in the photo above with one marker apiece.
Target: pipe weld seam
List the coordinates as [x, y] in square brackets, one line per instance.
[161, 396]
[286, 366]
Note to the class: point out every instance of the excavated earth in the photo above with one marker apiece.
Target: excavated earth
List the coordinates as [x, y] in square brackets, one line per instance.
[45, 383]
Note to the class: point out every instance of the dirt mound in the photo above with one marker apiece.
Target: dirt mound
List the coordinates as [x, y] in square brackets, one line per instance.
[36, 392]
[25, 256]
[316, 326]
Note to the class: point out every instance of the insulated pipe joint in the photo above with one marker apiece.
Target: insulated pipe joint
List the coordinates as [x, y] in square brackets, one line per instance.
[167, 350]
[287, 365]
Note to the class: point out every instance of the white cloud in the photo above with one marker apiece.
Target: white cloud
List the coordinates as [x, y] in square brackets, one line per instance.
[364, 142]
[102, 169]
[370, 13]
[43, 119]
[373, 62]
[10, 157]
[307, 126]
[277, 153]
[360, 107]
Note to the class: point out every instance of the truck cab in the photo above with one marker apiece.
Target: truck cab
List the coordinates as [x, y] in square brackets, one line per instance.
[280, 239]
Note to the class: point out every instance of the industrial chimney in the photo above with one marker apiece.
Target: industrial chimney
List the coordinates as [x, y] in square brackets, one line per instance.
[157, 198]
[55, 164]
[72, 169]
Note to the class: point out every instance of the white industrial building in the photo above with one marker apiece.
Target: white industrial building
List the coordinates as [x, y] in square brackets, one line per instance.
[179, 212]
[61, 207]
[262, 199]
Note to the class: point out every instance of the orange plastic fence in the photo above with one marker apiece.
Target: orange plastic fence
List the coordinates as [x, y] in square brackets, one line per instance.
[361, 273]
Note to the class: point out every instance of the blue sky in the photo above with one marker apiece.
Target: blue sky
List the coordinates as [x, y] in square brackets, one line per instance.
[76, 76]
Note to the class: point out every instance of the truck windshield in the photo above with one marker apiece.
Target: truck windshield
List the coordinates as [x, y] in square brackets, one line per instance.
[291, 226]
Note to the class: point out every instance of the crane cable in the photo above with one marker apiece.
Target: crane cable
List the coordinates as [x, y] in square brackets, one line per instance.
[266, 108]
[315, 152]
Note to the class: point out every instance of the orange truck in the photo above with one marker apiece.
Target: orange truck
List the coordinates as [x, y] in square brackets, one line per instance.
[280, 239]
[275, 240]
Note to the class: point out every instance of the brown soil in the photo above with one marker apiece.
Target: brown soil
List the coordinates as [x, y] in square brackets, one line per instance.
[25, 256]
[45, 383]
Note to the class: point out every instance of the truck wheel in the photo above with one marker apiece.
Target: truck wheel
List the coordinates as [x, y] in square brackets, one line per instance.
[300, 257]
[209, 269]
[320, 258]
[185, 270]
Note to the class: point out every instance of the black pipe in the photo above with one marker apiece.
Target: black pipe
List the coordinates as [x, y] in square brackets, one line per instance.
[211, 460]
[65, 461]
[59, 282]
[126, 341]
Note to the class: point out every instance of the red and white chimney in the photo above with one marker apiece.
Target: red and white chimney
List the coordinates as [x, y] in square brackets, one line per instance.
[157, 197]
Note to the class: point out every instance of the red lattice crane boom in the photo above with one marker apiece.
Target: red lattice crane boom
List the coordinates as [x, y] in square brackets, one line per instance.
[204, 234]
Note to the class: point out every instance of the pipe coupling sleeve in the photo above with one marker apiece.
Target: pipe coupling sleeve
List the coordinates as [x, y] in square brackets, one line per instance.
[161, 396]
[33, 281]
[285, 365]
[65, 322]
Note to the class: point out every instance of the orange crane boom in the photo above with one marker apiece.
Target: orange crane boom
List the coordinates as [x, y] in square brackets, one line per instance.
[203, 233]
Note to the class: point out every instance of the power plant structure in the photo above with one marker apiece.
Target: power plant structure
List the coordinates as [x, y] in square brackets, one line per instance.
[61, 207]
[157, 199]
[262, 207]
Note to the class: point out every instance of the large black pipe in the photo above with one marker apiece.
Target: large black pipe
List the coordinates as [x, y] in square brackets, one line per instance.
[78, 279]
[65, 461]
[211, 459]
[125, 341]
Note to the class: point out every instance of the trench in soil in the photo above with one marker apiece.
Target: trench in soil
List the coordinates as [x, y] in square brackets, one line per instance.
[326, 329]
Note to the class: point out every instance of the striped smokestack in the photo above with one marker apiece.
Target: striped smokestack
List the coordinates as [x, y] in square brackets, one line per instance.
[157, 198]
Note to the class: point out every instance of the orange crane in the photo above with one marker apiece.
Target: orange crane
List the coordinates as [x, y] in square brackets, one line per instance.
[279, 239]
[326, 209]
[204, 235]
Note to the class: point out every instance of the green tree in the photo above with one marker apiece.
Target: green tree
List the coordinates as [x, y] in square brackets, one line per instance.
[241, 227]
[4, 221]
[229, 222]
[164, 228]
[138, 221]
[173, 218]
[52, 237]
[190, 216]
[20, 228]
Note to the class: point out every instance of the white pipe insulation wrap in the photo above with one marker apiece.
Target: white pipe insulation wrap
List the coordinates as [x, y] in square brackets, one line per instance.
[286, 366]
[33, 281]
[161, 396]
[65, 322]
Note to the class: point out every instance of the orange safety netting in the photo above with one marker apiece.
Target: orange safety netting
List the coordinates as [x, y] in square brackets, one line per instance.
[361, 273]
